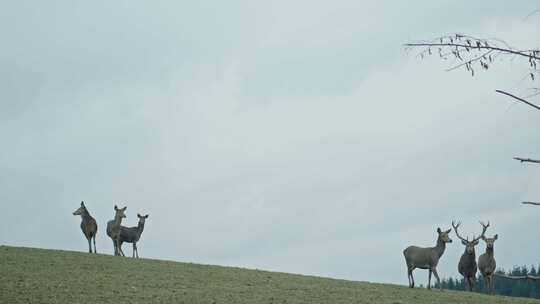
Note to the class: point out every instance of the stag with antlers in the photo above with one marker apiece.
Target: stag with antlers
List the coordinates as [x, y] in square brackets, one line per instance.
[467, 266]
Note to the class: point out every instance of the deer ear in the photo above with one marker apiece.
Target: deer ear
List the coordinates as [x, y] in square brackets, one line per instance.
[448, 231]
[115, 207]
[496, 236]
[124, 209]
[463, 242]
[476, 242]
[146, 216]
[438, 230]
[138, 215]
[82, 203]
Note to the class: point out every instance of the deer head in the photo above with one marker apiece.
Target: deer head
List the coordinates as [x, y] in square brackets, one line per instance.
[490, 241]
[120, 212]
[443, 235]
[81, 210]
[469, 245]
[142, 218]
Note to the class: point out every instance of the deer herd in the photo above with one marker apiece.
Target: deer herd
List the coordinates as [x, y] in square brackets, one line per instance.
[118, 233]
[428, 258]
[415, 257]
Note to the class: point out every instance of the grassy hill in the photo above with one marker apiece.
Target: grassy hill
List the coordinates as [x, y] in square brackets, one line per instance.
[51, 276]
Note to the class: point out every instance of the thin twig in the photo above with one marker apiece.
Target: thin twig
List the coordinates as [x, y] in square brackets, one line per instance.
[480, 57]
[530, 14]
[519, 99]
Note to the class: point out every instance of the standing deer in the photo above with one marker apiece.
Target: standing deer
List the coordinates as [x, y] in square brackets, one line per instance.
[113, 229]
[133, 234]
[467, 266]
[487, 264]
[88, 226]
[426, 258]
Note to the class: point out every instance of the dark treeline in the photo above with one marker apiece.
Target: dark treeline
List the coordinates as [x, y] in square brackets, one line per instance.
[503, 286]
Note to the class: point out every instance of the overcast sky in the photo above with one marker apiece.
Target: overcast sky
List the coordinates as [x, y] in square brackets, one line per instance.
[294, 136]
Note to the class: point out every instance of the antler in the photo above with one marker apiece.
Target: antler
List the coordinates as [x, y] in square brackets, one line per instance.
[484, 228]
[457, 234]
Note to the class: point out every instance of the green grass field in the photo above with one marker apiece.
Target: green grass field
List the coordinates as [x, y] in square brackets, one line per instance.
[50, 276]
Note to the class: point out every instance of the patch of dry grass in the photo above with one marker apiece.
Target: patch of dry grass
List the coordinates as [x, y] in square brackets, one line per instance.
[51, 276]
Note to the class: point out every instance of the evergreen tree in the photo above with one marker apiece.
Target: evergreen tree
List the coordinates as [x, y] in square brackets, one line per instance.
[503, 286]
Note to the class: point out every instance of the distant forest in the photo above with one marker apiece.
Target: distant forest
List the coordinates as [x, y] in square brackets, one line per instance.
[503, 286]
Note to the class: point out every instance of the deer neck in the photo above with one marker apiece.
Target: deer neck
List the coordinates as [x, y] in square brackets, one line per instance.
[117, 221]
[441, 246]
[86, 216]
[472, 254]
[489, 251]
[140, 228]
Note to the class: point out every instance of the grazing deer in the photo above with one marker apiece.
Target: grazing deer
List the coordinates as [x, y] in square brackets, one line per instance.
[487, 264]
[133, 234]
[113, 229]
[467, 266]
[88, 226]
[426, 258]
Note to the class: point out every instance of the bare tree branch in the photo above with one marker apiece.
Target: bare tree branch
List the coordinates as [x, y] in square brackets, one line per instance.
[531, 203]
[528, 160]
[519, 99]
[531, 54]
[471, 52]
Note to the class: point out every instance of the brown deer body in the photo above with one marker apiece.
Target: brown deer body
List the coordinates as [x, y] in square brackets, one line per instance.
[487, 263]
[88, 226]
[467, 266]
[113, 229]
[426, 258]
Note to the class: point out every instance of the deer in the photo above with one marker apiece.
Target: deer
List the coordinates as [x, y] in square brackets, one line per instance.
[426, 258]
[133, 234]
[487, 263]
[113, 229]
[88, 226]
[467, 266]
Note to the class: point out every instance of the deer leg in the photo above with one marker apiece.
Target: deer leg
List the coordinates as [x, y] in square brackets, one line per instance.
[89, 244]
[134, 249]
[119, 246]
[429, 280]
[437, 277]
[412, 277]
[95, 249]
[115, 249]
